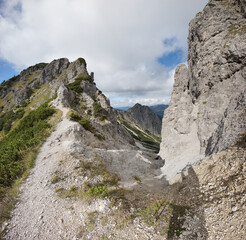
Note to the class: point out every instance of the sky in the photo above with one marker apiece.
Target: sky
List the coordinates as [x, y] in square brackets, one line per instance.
[132, 46]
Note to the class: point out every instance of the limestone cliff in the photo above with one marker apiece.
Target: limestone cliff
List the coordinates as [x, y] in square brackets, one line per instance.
[207, 111]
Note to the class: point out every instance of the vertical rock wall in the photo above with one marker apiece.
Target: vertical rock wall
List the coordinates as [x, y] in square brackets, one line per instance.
[207, 112]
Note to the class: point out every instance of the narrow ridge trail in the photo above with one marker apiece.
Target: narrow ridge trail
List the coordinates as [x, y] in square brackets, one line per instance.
[40, 214]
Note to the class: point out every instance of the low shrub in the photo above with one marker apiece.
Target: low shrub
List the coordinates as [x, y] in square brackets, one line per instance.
[28, 133]
[75, 86]
[97, 108]
[75, 117]
[86, 124]
[82, 61]
[103, 117]
[98, 191]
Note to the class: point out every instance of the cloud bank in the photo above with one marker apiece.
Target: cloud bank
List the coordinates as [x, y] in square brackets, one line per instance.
[123, 41]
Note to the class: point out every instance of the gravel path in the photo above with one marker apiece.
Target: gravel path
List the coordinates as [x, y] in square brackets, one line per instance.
[39, 214]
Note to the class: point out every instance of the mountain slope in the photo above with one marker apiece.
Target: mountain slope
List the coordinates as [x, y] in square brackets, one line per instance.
[143, 124]
[87, 165]
[159, 109]
[144, 117]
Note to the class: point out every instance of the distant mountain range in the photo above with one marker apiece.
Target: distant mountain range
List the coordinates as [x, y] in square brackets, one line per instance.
[143, 125]
[157, 109]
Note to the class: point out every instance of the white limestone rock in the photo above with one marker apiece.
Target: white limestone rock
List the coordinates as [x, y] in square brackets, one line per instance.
[207, 112]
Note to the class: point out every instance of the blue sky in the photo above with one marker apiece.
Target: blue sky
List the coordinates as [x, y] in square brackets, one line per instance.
[172, 59]
[6, 70]
[132, 46]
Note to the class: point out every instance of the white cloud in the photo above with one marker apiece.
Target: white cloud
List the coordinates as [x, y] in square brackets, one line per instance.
[120, 39]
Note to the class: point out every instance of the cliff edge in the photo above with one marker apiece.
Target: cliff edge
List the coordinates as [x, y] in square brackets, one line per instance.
[207, 111]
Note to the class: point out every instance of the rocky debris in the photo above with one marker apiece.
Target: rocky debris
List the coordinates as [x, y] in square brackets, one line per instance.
[214, 191]
[206, 113]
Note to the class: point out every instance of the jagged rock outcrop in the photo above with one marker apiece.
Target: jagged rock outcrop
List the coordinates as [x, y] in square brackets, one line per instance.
[144, 117]
[206, 113]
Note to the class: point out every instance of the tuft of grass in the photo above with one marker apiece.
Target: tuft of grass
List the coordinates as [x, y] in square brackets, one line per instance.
[75, 117]
[138, 180]
[97, 108]
[75, 102]
[97, 168]
[103, 117]
[86, 124]
[75, 86]
[100, 136]
[153, 213]
[55, 179]
[210, 167]
[73, 188]
[98, 191]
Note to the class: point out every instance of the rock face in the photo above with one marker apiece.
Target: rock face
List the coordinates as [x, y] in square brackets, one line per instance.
[144, 117]
[207, 111]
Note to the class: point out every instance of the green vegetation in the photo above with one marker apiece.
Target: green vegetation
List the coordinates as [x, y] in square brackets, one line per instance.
[55, 179]
[40, 65]
[86, 124]
[75, 117]
[97, 168]
[7, 84]
[8, 118]
[75, 102]
[103, 117]
[82, 61]
[97, 108]
[18, 152]
[99, 136]
[83, 77]
[238, 28]
[13, 147]
[98, 191]
[23, 104]
[138, 180]
[75, 86]
[153, 213]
